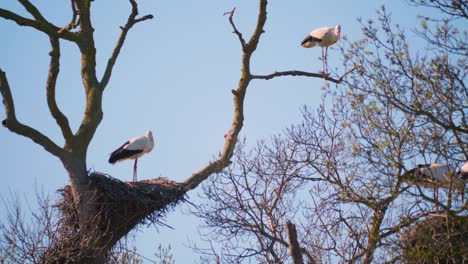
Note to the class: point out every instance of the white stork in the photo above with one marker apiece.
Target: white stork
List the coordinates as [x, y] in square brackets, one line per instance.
[133, 149]
[439, 175]
[463, 177]
[323, 37]
[463, 173]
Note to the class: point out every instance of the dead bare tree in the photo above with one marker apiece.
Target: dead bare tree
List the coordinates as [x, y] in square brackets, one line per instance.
[92, 227]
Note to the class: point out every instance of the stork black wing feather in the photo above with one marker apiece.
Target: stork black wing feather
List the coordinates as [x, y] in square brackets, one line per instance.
[122, 153]
[310, 39]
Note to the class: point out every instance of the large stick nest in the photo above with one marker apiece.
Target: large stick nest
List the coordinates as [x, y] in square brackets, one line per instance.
[437, 239]
[121, 207]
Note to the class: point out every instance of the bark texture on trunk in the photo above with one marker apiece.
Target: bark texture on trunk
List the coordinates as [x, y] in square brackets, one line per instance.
[294, 248]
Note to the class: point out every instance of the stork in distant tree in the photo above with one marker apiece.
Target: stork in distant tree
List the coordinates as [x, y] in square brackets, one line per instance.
[439, 175]
[463, 177]
[323, 37]
[133, 149]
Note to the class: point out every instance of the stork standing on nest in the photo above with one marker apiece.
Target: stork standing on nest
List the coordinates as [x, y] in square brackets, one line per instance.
[133, 149]
[323, 37]
[439, 175]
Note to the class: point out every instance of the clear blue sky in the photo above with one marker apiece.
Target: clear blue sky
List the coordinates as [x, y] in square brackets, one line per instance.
[174, 76]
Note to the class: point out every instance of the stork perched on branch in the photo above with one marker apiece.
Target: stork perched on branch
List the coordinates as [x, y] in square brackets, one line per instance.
[323, 37]
[438, 175]
[133, 149]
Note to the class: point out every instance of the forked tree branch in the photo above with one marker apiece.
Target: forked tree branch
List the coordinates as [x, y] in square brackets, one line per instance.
[54, 69]
[74, 22]
[132, 20]
[231, 21]
[239, 94]
[43, 26]
[93, 108]
[15, 126]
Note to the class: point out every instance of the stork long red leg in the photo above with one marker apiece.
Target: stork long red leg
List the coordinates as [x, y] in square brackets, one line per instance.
[135, 170]
[326, 60]
[323, 60]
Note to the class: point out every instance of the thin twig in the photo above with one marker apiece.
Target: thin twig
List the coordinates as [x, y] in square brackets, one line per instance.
[132, 20]
[231, 20]
[74, 22]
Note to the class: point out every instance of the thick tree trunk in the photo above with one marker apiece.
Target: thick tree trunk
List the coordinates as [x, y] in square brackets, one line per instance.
[85, 240]
[374, 236]
[294, 248]
[78, 174]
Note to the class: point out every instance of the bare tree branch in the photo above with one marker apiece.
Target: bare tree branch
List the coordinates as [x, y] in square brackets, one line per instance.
[73, 23]
[33, 10]
[454, 8]
[15, 126]
[302, 73]
[132, 20]
[231, 20]
[43, 26]
[54, 68]
[239, 95]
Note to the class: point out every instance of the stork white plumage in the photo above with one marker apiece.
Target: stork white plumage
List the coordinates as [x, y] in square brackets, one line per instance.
[463, 177]
[323, 37]
[463, 173]
[439, 175]
[133, 149]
